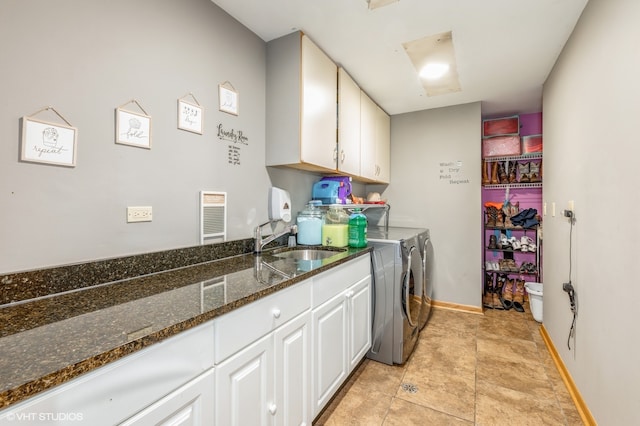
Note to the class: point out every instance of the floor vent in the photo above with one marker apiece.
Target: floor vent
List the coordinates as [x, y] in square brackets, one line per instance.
[213, 216]
[409, 388]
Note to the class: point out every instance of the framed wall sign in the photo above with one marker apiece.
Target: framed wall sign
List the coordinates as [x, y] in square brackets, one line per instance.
[133, 128]
[47, 142]
[228, 98]
[190, 115]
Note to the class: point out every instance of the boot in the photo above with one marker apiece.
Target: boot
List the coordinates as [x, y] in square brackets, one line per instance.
[493, 242]
[485, 173]
[518, 297]
[494, 174]
[500, 218]
[523, 168]
[534, 172]
[512, 171]
[502, 173]
[507, 294]
[497, 291]
[487, 294]
[492, 216]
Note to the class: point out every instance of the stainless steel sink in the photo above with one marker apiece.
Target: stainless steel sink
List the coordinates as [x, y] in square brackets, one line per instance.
[307, 254]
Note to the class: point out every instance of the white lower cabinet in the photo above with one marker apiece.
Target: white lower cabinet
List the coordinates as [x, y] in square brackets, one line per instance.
[263, 361]
[341, 327]
[293, 372]
[190, 405]
[245, 386]
[269, 382]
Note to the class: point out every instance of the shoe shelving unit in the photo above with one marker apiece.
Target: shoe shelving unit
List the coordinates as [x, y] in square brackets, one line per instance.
[508, 253]
[517, 180]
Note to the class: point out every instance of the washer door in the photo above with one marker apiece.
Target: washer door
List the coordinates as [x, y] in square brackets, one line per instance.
[412, 287]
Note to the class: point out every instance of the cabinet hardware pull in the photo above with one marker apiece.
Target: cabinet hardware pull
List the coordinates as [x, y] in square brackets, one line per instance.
[273, 409]
[276, 313]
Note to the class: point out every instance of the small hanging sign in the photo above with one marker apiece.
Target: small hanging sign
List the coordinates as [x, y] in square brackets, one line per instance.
[47, 142]
[228, 98]
[133, 128]
[190, 115]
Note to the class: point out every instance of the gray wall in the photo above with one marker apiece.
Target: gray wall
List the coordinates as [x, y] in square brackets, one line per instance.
[85, 58]
[425, 193]
[591, 145]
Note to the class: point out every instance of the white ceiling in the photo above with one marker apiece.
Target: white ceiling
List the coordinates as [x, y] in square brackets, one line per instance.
[504, 48]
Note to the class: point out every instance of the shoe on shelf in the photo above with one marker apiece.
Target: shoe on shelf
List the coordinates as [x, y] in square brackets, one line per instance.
[507, 294]
[518, 296]
[512, 172]
[534, 171]
[487, 294]
[494, 174]
[502, 172]
[503, 242]
[497, 292]
[523, 169]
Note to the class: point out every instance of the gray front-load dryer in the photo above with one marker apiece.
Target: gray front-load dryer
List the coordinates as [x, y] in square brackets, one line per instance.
[398, 293]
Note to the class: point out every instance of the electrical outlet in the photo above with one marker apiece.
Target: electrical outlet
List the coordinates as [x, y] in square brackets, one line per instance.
[544, 209]
[139, 214]
[553, 209]
[571, 205]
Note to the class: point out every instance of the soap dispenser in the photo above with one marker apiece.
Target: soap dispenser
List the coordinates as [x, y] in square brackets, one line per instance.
[279, 205]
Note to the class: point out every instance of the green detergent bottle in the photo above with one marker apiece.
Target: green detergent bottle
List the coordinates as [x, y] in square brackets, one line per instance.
[357, 229]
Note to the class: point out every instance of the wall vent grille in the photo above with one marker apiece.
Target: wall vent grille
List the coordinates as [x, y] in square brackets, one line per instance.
[213, 216]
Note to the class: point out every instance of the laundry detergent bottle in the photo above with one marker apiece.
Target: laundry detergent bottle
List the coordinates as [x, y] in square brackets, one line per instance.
[357, 229]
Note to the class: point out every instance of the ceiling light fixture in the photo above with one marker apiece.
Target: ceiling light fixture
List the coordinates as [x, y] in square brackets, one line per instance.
[434, 70]
[435, 62]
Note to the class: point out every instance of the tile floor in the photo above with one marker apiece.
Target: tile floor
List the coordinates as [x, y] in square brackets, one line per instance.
[491, 369]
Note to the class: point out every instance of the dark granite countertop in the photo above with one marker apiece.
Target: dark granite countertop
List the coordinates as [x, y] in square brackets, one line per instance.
[54, 337]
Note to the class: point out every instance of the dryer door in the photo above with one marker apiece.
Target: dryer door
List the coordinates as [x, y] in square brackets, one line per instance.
[427, 293]
[412, 287]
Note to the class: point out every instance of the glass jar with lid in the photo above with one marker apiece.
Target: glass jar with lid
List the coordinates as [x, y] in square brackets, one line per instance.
[309, 223]
[335, 230]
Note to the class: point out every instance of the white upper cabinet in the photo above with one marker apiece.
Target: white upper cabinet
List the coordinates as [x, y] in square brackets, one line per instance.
[301, 105]
[318, 119]
[348, 124]
[383, 145]
[375, 136]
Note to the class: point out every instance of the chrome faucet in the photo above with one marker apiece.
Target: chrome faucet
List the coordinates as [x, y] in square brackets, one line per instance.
[261, 242]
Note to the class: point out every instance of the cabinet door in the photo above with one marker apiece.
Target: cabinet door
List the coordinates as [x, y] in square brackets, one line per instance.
[348, 124]
[192, 404]
[244, 386]
[383, 146]
[330, 367]
[319, 107]
[293, 372]
[367, 137]
[359, 298]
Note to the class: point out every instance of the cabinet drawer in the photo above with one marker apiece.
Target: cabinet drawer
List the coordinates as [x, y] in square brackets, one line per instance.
[328, 284]
[239, 328]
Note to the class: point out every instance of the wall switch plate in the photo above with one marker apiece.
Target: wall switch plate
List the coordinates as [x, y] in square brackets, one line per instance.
[139, 214]
[544, 209]
[553, 209]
